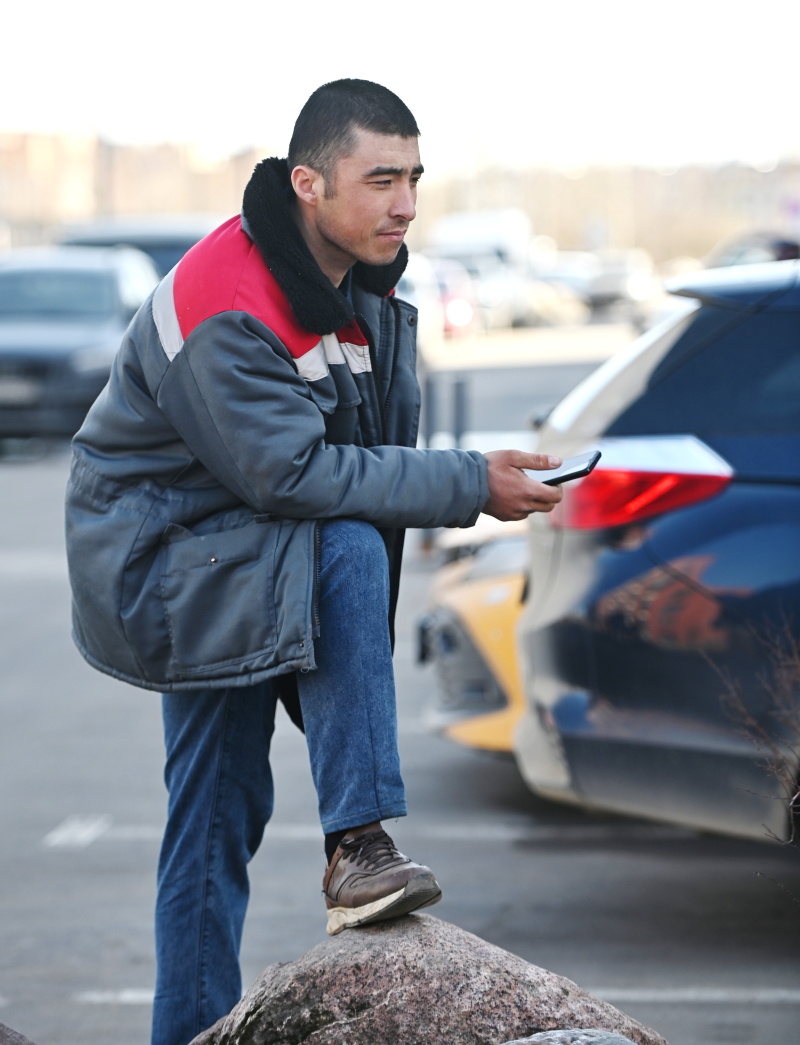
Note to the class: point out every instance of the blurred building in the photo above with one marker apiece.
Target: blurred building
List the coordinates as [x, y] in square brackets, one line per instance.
[669, 213]
[46, 180]
[43, 179]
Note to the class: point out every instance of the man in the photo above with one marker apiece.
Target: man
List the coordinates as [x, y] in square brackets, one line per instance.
[235, 516]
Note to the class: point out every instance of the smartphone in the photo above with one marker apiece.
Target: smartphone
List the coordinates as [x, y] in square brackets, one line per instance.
[571, 468]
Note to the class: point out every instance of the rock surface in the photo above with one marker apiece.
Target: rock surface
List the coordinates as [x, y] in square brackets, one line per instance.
[413, 981]
[579, 1036]
[11, 1037]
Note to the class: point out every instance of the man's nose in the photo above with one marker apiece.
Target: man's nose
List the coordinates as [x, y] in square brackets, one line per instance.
[404, 203]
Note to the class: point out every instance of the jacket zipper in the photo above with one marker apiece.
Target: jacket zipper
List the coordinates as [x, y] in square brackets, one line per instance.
[373, 356]
[304, 669]
[383, 404]
[317, 568]
[395, 353]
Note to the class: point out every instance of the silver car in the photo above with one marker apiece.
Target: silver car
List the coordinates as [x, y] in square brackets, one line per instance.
[63, 311]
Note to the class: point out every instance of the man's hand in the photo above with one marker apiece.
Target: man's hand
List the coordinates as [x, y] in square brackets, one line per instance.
[512, 494]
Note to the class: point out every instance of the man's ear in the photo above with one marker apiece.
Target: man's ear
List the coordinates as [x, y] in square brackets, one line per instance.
[308, 184]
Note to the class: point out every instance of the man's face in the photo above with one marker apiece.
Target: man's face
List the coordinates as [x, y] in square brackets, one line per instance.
[372, 201]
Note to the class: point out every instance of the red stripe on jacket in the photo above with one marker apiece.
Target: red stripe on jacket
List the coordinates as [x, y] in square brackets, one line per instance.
[225, 272]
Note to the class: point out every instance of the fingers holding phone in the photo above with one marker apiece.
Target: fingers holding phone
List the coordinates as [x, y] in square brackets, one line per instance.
[513, 494]
[572, 468]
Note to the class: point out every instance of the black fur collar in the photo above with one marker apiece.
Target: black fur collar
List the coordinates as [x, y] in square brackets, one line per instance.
[319, 306]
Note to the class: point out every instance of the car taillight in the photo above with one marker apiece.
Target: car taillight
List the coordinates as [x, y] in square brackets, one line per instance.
[658, 476]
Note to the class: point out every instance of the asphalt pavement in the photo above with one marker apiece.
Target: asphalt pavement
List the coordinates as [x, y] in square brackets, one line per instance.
[695, 935]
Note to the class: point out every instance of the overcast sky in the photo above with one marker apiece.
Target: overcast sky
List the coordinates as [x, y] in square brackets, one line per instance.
[505, 81]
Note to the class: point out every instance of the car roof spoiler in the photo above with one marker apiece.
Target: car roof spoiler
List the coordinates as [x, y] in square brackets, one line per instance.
[744, 287]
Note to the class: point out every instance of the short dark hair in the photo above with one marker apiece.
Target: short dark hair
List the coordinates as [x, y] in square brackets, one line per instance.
[325, 129]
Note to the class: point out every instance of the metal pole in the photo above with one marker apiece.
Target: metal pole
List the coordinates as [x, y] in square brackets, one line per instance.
[430, 411]
[460, 410]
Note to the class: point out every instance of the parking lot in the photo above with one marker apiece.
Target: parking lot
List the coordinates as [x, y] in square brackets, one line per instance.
[695, 935]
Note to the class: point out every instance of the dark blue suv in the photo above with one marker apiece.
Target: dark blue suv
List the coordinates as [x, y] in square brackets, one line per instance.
[660, 641]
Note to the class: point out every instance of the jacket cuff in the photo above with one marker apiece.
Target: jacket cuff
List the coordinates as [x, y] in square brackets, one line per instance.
[483, 487]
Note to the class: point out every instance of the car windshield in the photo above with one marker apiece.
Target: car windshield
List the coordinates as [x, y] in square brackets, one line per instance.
[56, 294]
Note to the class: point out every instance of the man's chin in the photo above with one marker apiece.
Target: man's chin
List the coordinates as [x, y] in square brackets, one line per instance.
[384, 254]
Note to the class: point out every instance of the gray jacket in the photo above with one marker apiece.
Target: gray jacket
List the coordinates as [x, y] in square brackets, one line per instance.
[227, 430]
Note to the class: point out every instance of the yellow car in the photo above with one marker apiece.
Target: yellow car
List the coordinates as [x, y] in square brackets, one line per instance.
[468, 633]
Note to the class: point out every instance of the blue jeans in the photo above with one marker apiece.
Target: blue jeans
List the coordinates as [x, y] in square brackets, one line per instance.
[220, 785]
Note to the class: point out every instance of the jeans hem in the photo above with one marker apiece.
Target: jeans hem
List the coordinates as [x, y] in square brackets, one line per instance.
[367, 817]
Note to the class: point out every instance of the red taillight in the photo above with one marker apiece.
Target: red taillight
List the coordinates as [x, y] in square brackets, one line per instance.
[619, 497]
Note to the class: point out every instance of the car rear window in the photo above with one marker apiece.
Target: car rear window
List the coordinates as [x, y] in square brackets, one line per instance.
[731, 373]
[56, 293]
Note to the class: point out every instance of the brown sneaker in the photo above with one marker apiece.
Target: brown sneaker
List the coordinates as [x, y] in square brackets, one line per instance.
[368, 880]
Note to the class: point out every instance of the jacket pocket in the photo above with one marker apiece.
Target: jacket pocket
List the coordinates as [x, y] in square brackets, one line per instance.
[218, 592]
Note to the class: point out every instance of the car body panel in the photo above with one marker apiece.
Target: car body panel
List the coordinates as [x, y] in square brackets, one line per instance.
[654, 654]
[469, 632]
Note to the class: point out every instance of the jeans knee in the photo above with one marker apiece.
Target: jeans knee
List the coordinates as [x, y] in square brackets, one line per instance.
[353, 554]
[354, 541]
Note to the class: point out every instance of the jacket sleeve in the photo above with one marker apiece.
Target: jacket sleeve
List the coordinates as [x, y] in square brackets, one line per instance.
[236, 399]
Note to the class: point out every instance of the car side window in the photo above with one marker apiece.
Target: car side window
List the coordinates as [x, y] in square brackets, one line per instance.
[54, 292]
[731, 373]
[137, 279]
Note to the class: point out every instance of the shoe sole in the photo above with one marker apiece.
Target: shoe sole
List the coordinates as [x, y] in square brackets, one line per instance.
[419, 892]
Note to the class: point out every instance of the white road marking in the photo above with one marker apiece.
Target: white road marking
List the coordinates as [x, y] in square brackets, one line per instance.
[525, 832]
[130, 996]
[696, 995]
[487, 832]
[490, 832]
[76, 832]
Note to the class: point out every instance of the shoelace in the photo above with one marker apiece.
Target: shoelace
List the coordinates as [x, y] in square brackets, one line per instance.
[375, 849]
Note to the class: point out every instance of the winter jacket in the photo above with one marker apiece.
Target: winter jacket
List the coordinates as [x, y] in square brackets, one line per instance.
[250, 399]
